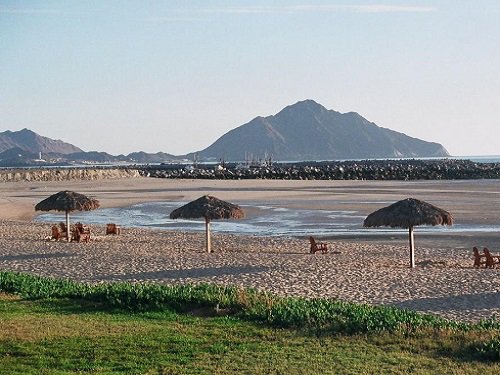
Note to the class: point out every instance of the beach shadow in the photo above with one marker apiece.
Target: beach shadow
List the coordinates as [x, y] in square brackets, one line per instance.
[184, 273]
[479, 301]
[81, 306]
[306, 253]
[35, 256]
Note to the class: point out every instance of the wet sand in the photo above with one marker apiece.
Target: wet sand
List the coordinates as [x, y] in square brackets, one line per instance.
[369, 269]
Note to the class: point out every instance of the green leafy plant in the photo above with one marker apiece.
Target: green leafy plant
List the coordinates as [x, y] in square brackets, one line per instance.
[488, 350]
[322, 314]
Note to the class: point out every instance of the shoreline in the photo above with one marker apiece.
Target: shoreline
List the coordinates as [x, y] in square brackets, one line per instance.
[373, 271]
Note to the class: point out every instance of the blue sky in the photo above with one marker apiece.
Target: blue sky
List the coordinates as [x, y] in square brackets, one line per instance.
[173, 76]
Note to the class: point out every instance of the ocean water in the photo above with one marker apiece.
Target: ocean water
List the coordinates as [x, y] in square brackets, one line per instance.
[262, 219]
[476, 158]
[480, 158]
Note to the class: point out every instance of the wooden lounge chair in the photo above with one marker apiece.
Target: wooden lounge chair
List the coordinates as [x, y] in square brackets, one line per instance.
[80, 233]
[318, 246]
[62, 226]
[491, 259]
[112, 229]
[56, 233]
[64, 233]
[477, 258]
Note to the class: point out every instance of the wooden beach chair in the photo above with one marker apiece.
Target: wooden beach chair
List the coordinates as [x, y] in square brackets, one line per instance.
[112, 229]
[56, 233]
[318, 246]
[81, 233]
[491, 259]
[62, 226]
[63, 232]
[477, 258]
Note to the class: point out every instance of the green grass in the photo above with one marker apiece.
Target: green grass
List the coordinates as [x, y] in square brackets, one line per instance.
[53, 327]
[321, 314]
[63, 336]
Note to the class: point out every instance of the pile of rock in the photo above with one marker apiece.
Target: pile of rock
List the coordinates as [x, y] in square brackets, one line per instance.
[446, 169]
[65, 174]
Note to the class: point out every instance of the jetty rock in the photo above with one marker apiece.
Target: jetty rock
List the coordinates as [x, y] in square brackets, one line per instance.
[66, 174]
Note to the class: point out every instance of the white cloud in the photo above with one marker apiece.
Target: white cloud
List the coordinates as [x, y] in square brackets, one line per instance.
[380, 8]
[36, 11]
[294, 9]
[4, 10]
[195, 14]
[172, 19]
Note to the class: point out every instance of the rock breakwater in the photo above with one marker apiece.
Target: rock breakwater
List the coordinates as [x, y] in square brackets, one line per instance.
[66, 174]
[404, 170]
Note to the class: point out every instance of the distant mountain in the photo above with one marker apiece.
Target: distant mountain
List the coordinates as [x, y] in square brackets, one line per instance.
[22, 148]
[144, 157]
[30, 141]
[17, 152]
[308, 131]
[16, 156]
[300, 132]
[94, 156]
[134, 157]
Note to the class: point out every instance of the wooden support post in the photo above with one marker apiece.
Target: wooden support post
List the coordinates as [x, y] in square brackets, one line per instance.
[207, 227]
[68, 238]
[412, 247]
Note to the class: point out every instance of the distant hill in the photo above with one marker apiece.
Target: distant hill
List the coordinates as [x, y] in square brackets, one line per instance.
[22, 148]
[94, 156]
[300, 132]
[28, 140]
[144, 157]
[308, 131]
[17, 152]
[16, 156]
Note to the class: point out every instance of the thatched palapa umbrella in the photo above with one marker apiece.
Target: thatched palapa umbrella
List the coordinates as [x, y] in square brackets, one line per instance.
[407, 214]
[67, 201]
[209, 208]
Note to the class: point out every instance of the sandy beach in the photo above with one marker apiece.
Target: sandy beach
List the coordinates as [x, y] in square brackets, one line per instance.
[369, 270]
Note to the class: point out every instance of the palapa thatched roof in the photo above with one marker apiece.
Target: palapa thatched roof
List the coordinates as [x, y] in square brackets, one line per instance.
[208, 207]
[408, 213]
[67, 201]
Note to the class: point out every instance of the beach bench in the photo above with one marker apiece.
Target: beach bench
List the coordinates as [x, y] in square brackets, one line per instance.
[112, 229]
[318, 246]
[478, 261]
[491, 259]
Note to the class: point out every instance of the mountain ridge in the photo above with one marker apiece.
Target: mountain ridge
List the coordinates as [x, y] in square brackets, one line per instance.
[308, 131]
[302, 131]
[30, 141]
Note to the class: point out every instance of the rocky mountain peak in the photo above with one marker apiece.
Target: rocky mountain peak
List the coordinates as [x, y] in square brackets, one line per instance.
[302, 107]
[307, 130]
[30, 141]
